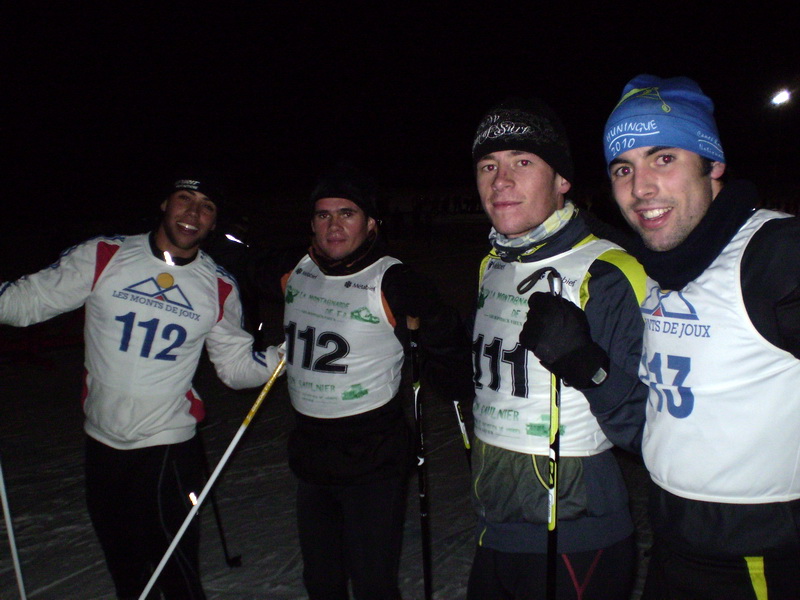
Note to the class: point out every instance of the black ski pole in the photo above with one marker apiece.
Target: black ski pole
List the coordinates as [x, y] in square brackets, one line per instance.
[422, 475]
[554, 280]
[232, 561]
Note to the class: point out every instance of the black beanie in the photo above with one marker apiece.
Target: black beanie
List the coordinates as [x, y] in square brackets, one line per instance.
[528, 125]
[348, 182]
[206, 184]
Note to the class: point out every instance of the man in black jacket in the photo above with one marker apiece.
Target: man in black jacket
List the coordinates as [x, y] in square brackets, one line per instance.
[721, 349]
[590, 338]
[345, 307]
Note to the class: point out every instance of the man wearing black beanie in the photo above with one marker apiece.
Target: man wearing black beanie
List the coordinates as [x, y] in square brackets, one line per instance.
[346, 303]
[586, 330]
[153, 302]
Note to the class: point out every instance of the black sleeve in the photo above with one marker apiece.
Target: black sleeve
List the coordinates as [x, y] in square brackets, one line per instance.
[616, 325]
[770, 276]
[444, 341]
[266, 267]
[258, 273]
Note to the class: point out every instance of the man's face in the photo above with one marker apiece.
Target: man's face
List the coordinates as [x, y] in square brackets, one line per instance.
[662, 192]
[518, 190]
[188, 218]
[339, 227]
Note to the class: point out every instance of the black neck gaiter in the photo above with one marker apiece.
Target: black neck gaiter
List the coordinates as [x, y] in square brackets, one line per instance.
[675, 268]
[367, 253]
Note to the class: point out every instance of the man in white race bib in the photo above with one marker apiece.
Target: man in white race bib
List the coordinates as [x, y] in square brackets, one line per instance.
[721, 349]
[346, 302]
[590, 338]
[152, 301]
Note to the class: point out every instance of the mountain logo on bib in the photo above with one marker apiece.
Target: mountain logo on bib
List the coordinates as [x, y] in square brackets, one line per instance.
[163, 288]
[671, 305]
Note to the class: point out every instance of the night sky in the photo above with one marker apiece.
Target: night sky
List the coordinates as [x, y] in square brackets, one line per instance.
[104, 99]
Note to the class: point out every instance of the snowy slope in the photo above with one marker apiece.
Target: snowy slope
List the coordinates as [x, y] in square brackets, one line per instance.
[40, 429]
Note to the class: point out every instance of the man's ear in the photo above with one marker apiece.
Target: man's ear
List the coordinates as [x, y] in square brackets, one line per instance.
[717, 169]
[371, 224]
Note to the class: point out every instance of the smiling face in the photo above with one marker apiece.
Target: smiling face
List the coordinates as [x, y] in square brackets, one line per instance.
[339, 227]
[188, 218]
[663, 193]
[518, 190]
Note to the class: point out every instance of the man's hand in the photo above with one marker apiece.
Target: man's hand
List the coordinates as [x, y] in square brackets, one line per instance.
[557, 332]
[274, 355]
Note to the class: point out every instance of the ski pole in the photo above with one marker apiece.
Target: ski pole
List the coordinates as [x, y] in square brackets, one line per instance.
[464, 434]
[10, 530]
[554, 279]
[253, 410]
[413, 336]
[555, 283]
[231, 561]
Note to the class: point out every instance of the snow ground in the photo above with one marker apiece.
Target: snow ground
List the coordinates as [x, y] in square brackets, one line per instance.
[60, 558]
[41, 448]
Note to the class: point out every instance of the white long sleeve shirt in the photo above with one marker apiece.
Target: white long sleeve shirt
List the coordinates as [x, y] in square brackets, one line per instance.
[145, 325]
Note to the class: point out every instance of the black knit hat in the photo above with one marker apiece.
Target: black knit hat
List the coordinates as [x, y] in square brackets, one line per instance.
[348, 182]
[529, 125]
[207, 184]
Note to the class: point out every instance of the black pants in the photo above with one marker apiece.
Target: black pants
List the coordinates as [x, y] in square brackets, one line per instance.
[137, 501]
[680, 575]
[352, 532]
[605, 574]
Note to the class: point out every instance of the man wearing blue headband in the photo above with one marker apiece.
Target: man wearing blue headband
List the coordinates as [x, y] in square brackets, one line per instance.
[721, 349]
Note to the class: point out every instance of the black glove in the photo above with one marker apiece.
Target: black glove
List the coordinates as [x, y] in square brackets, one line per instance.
[557, 332]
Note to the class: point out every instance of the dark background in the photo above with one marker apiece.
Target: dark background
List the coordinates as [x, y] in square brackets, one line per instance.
[103, 100]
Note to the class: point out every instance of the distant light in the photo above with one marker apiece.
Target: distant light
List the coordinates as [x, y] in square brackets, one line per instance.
[234, 239]
[168, 258]
[193, 498]
[781, 97]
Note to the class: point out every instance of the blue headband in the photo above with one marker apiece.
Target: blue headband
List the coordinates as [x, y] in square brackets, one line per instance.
[663, 112]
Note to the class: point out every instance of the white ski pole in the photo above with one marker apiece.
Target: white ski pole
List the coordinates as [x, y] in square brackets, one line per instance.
[10, 530]
[213, 478]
